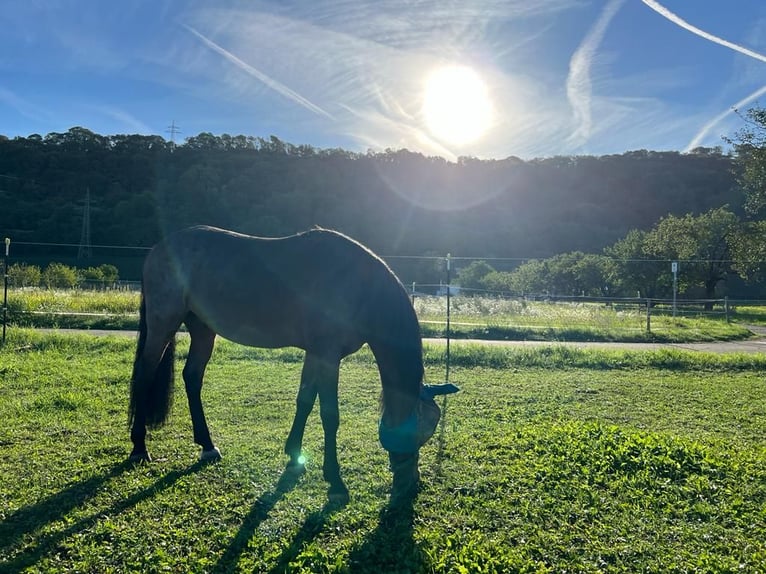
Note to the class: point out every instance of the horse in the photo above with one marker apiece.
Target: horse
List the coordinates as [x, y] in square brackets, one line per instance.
[318, 290]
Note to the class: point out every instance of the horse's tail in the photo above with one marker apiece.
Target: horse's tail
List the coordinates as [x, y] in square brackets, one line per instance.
[154, 390]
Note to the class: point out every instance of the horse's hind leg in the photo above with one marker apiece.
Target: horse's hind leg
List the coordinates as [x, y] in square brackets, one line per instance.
[202, 340]
[307, 394]
[151, 353]
[320, 377]
[327, 370]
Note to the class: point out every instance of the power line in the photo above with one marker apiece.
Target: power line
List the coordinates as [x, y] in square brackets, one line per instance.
[414, 257]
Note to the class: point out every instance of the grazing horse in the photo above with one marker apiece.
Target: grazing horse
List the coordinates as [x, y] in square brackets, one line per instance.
[319, 291]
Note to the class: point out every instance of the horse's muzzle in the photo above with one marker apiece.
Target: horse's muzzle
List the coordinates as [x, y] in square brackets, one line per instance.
[414, 432]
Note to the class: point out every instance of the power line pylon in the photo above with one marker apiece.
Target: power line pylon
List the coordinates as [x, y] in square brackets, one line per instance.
[85, 252]
[173, 130]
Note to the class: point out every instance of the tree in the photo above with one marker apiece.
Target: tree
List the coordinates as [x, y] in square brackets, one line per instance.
[750, 146]
[471, 277]
[59, 276]
[748, 250]
[529, 278]
[701, 242]
[636, 271]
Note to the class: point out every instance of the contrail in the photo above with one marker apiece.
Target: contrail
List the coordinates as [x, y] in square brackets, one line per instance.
[579, 88]
[662, 11]
[697, 140]
[665, 13]
[270, 82]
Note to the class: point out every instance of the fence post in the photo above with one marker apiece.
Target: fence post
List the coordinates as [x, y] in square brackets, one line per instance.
[648, 315]
[413, 293]
[5, 285]
[726, 308]
[446, 378]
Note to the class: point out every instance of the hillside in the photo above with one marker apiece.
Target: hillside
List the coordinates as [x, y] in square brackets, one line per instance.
[397, 202]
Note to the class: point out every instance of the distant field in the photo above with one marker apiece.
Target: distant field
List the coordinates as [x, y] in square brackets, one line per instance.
[471, 317]
[548, 460]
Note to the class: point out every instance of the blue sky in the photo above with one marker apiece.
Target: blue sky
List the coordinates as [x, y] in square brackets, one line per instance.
[557, 76]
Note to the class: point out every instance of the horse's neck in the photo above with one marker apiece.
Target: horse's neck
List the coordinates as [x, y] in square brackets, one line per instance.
[401, 374]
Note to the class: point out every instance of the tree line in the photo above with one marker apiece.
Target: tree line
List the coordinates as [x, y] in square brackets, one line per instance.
[396, 201]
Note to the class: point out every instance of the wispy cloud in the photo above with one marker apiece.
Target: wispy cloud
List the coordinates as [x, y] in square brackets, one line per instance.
[260, 76]
[703, 133]
[705, 130]
[662, 11]
[579, 84]
[23, 106]
[126, 119]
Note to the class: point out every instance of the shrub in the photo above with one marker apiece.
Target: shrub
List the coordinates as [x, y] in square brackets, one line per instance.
[58, 275]
[23, 275]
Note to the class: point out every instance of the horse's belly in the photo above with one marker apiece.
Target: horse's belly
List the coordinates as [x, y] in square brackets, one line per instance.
[256, 335]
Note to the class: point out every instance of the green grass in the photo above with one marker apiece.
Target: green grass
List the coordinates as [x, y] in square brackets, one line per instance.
[471, 318]
[511, 319]
[548, 460]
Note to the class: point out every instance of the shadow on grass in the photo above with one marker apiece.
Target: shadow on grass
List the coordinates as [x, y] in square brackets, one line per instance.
[312, 526]
[258, 513]
[391, 546]
[28, 520]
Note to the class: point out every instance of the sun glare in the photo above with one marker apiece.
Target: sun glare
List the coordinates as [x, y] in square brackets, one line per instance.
[456, 105]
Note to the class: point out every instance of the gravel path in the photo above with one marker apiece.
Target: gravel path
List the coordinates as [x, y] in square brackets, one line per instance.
[755, 345]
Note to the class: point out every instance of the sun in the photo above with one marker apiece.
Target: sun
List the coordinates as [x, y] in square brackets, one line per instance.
[456, 105]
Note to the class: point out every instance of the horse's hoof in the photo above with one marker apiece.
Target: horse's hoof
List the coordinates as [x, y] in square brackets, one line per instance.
[139, 457]
[210, 455]
[295, 468]
[337, 497]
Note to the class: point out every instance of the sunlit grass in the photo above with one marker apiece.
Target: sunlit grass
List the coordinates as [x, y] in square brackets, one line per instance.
[548, 460]
[471, 317]
[513, 319]
[73, 301]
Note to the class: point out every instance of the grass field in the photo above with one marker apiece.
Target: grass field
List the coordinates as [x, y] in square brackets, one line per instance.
[548, 460]
[471, 317]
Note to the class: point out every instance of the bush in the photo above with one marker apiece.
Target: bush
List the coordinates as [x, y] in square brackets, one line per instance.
[58, 275]
[23, 275]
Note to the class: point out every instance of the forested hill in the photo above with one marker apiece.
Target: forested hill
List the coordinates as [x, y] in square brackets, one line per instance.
[397, 202]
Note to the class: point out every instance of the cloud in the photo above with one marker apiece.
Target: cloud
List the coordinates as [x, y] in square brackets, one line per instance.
[579, 85]
[702, 134]
[22, 106]
[705, 130]
[265, 79]
[126, 119]
[662, 11]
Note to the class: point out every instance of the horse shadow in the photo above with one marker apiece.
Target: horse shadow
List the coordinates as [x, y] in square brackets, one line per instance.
[30, 519]
[395, 529]
[259, 512]
[391, 547]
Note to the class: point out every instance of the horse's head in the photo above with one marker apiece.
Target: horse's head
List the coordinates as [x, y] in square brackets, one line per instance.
[414, 432]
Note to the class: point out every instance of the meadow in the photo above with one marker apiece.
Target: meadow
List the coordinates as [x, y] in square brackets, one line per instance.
[550, 459]
[471, 317]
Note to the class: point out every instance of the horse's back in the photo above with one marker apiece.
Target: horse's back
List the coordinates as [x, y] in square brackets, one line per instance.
[315, 288]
